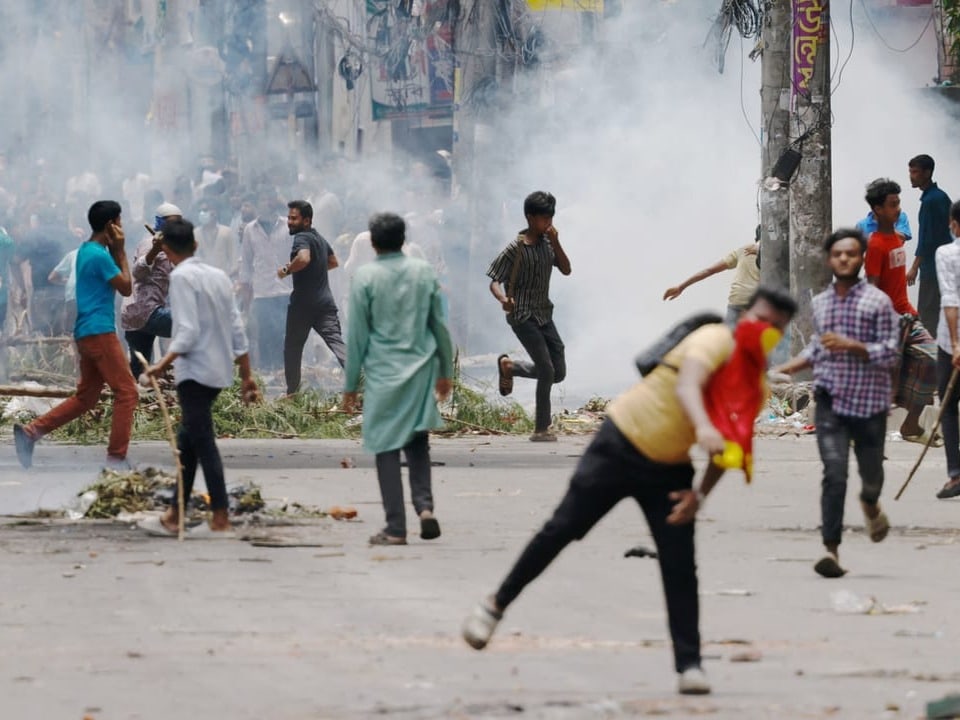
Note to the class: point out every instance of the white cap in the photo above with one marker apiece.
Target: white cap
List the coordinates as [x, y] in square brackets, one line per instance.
[167, 209]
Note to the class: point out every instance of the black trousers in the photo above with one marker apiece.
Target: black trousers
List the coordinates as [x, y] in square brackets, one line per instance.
[300, 319]
[548, 366]
[610, 470]
[197, 442]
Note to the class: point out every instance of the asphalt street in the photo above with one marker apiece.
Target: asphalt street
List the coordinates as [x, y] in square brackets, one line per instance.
[99, 621]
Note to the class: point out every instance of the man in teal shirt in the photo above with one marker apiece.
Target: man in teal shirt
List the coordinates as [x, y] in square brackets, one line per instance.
[397, 335]
[102, 270]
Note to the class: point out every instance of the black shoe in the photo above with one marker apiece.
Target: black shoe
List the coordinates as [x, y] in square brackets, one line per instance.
[24, 444]
[951, 489]
[829, 567]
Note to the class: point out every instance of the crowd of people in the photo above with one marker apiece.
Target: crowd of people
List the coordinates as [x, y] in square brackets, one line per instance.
[704, 391]
[241, 229]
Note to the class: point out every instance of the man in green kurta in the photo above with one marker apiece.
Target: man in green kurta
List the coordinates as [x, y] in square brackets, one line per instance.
[396, 334]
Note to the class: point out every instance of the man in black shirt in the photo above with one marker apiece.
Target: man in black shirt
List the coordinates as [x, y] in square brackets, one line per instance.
[311, 302]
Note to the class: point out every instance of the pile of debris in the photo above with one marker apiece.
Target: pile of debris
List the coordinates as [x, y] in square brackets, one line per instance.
[120, 494]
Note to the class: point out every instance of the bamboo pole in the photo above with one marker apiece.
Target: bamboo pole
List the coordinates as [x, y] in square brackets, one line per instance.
[43, 392]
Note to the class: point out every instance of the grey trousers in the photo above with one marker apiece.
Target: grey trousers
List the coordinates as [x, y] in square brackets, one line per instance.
[417, 452]
[834, 433]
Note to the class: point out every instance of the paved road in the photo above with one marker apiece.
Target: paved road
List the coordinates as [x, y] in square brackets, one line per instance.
[97, 620]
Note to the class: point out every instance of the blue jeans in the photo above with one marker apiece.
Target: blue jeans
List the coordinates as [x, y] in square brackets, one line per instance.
[159, 324]
[834, 433]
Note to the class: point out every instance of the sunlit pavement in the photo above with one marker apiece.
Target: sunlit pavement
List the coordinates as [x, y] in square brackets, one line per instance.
[98, 620]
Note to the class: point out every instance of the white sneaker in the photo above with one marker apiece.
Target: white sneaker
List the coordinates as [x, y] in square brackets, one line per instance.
[693, 681]
[479, 626]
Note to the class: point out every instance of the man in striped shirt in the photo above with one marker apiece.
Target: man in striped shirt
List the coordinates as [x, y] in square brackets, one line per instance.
[948, 350]
[852, 353]
[520, 281]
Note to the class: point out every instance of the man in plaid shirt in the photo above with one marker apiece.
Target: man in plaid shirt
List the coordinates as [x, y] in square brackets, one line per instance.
[852, 353]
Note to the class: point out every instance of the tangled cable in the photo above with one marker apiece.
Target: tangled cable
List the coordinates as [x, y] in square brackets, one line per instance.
[745, 15]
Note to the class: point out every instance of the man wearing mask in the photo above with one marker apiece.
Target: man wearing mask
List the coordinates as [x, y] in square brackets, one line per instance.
[216, 244]
[266, 246]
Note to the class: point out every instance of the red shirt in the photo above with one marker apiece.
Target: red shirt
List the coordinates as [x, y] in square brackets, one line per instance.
[886, 265]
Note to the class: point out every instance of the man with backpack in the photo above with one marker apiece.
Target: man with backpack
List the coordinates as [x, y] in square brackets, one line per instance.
[520, 281]
[642, 451]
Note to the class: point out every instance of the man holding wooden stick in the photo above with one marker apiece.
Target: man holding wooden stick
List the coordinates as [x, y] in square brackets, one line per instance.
[208, 338]
[101, 269]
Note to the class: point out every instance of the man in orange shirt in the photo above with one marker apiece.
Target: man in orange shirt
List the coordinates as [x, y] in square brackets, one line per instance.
[886, 267]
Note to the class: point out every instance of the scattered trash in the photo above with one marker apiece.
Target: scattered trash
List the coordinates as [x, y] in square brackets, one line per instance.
[732, 592]
[746, 656]
[347, 463]
[849, 603]
[641, 552]
[342, 513]
[919, 633]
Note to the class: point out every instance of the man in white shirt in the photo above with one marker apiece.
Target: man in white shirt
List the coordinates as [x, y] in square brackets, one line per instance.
[216, 243]
[265, 247]
[208, 338]
[948, 351]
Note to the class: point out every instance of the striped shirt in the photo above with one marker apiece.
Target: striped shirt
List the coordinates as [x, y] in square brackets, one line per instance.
[858, 387]
[532, 292]
[948, 277]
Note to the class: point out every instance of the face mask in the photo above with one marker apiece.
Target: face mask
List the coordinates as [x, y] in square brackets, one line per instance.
[204, 216]
[158, 223]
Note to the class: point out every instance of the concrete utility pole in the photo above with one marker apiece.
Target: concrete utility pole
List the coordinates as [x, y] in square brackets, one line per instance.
[475, 76]
[775, 114]
[811, 195]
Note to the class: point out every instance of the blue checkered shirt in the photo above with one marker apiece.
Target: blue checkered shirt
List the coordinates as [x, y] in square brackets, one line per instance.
[858, 387]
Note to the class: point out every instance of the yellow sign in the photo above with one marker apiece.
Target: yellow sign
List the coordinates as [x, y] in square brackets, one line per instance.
[577, 5]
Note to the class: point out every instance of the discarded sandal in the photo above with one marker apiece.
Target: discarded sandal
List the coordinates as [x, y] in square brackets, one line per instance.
[505, 379]
[381, 538]
[923, 438]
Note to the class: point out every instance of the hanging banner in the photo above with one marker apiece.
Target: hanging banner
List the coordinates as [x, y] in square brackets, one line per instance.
[811, 22]
[412, 72]
[578, 5]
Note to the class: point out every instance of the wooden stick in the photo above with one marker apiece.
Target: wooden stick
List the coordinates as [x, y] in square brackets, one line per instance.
[40, 340]
[168, 424]
[948, 395]
[47, 392]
